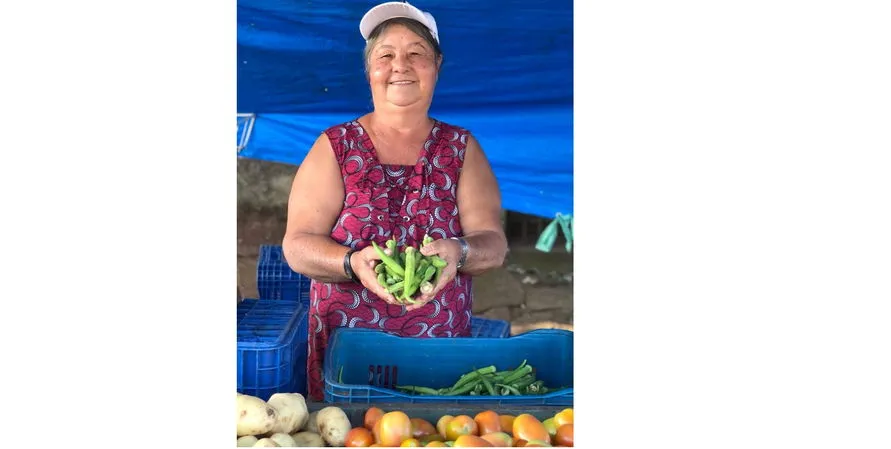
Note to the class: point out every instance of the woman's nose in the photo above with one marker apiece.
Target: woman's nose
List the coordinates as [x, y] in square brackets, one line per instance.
[400, 62]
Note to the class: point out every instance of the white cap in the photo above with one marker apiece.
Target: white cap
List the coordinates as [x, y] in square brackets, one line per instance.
[386, 11]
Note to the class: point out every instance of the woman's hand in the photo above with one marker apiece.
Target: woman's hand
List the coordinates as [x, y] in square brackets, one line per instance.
[363, 262]
[450, 251]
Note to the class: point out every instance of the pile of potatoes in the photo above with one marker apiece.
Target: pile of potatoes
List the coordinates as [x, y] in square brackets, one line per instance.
[285, 421]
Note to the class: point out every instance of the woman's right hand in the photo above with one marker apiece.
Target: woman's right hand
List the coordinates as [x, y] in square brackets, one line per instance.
[363, 262]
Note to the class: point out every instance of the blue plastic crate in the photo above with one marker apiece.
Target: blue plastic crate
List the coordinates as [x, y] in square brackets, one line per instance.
[372, 362]
[276, 279]
[272, 338]
[487, 327]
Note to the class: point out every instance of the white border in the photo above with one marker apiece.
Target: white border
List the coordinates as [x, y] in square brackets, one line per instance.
[732, 226]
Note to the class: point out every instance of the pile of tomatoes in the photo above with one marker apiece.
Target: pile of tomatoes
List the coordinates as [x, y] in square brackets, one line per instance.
[485, 429]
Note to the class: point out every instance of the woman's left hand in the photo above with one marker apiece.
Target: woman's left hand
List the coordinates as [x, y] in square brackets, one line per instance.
[450, 251]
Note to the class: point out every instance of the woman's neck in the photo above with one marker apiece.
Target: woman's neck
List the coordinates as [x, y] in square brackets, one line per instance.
[400, 122]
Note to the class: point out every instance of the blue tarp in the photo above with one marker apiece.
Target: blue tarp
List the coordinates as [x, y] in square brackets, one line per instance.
[506, 76]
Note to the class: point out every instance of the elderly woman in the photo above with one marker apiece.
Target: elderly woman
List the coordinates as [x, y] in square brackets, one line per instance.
[395, 171]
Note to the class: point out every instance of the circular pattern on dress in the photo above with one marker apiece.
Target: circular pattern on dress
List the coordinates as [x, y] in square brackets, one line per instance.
[382, 202]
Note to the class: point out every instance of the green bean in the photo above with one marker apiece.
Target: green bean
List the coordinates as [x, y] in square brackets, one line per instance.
[419, 390]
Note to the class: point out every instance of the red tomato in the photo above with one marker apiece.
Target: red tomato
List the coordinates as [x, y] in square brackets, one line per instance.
[443, 423]
[487, 422]
[527, 427]
[471, 441]
[564, 417]
[499, 439]
[421, 428]
[358, 437]
[411, 442]
[564, 435]
[372, 416]
[461, 425]
[395, 427]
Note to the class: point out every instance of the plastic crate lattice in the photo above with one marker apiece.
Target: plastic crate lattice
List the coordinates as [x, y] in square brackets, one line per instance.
[272, 338]
[276, 279]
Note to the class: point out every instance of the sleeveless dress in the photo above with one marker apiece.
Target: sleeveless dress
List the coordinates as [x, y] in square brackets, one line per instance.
[382, 200]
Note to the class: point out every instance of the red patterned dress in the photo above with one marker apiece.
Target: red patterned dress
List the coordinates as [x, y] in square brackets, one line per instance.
[380, 201]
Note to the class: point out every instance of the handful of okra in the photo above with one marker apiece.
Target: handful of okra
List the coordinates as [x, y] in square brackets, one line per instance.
[406, 272]
[488, 382]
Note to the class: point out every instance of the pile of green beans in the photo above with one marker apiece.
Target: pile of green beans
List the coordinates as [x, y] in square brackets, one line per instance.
[405, 272]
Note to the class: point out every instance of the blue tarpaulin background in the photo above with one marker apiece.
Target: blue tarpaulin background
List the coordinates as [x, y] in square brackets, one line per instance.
[507, 77]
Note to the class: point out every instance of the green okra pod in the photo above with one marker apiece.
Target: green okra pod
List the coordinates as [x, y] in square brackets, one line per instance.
[439, 263]
[523, 371]
[410, 266]
[535, 387]
[423, 263]
[511, 389]
[523, 382]
[473, 375]
[389, 261]
[464, 389]
[428, 274]
[392, 273]
[426, 288]
[488, 386]
[395, 287]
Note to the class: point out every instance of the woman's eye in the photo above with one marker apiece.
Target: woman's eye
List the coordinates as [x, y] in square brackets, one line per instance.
[386, 56]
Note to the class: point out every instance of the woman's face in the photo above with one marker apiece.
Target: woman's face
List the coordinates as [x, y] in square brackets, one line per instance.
[402, 69]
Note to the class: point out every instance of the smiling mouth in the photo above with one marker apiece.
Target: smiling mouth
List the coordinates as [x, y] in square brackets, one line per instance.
[401, 83]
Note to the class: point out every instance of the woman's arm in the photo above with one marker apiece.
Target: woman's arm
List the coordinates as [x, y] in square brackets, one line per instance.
[314, 204]
[479, 206]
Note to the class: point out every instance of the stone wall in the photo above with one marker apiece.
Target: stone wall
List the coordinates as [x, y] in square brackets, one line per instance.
[263, 186]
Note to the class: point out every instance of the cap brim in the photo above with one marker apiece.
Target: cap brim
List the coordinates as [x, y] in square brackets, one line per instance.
[385, 11]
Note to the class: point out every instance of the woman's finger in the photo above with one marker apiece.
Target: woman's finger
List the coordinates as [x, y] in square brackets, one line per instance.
[418, 304]
[381, 292]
